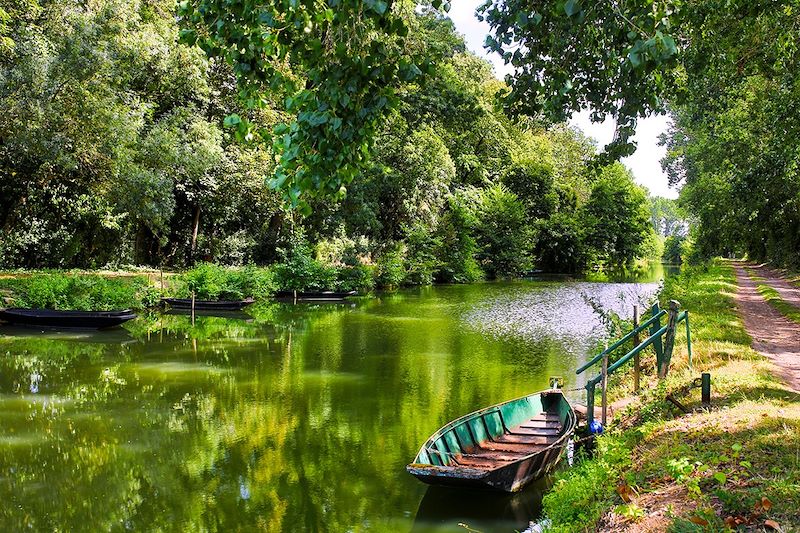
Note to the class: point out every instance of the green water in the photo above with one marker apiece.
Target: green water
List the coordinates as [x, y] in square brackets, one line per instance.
[288, 418]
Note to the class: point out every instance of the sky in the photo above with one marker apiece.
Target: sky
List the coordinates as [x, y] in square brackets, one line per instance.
[645, 163]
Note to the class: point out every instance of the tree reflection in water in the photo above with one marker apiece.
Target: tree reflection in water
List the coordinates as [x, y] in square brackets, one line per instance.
[289, 418]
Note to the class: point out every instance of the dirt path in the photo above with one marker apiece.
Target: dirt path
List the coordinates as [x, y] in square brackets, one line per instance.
[774, 336]
[789, 293]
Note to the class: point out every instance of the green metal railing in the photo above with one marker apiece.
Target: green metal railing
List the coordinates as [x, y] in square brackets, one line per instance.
[663, 349]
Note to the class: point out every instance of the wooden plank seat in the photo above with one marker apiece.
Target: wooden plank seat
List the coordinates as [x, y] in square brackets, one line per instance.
[520, 441]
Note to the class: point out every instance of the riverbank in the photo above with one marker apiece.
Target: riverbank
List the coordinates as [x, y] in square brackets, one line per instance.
[733, 465]
[141, 287]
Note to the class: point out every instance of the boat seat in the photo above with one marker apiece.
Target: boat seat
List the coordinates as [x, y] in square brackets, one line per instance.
[526, 448]
[520, 441]
[525, 439]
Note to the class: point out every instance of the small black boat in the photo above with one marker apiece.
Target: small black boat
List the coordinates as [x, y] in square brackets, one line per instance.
[207, 305]
[314, 295]
[49, 318]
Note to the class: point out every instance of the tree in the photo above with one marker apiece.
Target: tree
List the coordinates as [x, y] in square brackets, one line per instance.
[667, 217]
[503, 232]
[560, 244]
[616, 216]
[571, 56]
[345, 59]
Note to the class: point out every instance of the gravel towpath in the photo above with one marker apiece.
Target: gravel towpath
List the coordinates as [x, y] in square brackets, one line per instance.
[774, 336]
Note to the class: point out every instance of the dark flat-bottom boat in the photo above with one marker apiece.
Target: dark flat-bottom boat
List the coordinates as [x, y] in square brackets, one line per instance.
[48, 318]
[207, 305]
[502, 447]
[314, 295]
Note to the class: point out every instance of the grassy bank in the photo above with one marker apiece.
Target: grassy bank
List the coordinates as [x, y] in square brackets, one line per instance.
[735, 465]
[773, 297]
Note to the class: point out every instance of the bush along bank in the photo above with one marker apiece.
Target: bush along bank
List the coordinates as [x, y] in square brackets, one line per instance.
[79, 291]
[733, 466]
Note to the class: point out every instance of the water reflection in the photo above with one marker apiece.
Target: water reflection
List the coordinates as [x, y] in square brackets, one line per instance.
[445, 509]
[294, 417]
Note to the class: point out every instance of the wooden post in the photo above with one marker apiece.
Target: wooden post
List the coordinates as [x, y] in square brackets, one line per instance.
[669, 339]
[655, 326]
[604, 390]
[706, 389]
[636, 359]
[192, 308]
[590, 403]
[689, 341]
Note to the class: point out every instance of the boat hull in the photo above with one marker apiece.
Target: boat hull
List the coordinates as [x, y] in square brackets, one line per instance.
[207, 305]
[319, 296]
[509, 478]
[502, 448]
[47, 318]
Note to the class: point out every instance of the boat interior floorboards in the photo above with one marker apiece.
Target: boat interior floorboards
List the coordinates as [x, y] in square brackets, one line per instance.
[528, 438]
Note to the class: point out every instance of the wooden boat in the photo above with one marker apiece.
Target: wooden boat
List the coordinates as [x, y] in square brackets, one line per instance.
[314, 295]
[502, 447]
[49, 318]
[207, 305]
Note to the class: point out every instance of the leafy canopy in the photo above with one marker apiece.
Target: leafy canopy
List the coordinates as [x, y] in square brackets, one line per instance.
[337, 65]
[575, 55]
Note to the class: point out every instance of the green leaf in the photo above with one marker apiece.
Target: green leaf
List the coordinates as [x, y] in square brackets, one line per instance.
[232, 121]
[721, 478]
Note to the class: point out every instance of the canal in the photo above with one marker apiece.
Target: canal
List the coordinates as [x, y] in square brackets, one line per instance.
[286, 418]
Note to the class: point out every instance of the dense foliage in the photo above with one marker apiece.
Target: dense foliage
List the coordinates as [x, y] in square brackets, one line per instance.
[212, 282]
[727, 71]
[123, 143]
[72, 290]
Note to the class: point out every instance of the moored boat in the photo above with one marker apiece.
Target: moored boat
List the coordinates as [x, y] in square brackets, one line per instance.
[314, 295]
[208, 305]
[502, 447]
[49, 318]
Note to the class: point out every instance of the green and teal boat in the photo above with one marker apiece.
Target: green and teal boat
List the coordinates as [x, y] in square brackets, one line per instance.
[503, 447]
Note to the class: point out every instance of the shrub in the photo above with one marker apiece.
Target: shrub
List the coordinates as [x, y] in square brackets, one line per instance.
[82, 292]
[356, 278]
[390, 270]
[213, 282]
[301, 272]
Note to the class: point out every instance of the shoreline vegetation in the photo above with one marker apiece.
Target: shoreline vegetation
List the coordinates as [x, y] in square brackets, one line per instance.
[140, 288]
[730, 466]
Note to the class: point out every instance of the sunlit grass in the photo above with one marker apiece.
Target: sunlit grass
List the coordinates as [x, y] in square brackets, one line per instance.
[707, 465]
[773, 297]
